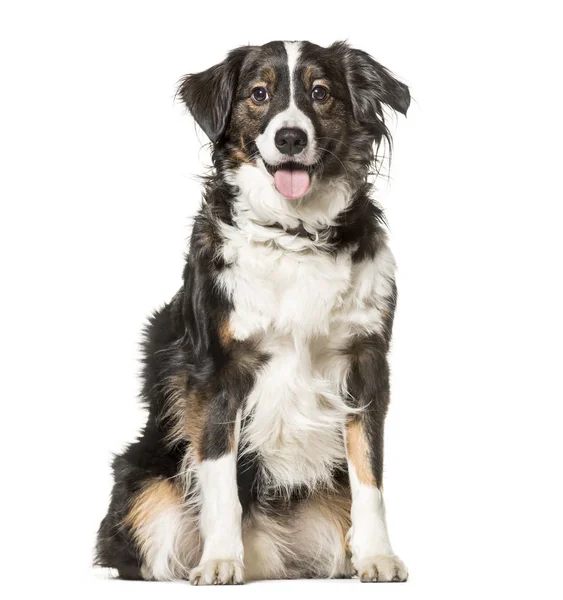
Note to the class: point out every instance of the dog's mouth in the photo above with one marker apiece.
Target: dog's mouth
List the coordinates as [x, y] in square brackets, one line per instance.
[292, 179]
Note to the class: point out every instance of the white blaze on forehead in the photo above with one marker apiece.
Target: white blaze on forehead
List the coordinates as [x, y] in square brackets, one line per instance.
[293, 50]
[292, 116]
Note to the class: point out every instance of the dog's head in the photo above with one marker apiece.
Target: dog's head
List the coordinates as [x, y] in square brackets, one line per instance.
[296, 111]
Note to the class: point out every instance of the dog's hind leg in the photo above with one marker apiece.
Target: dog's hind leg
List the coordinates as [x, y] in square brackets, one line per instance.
[149, 532]
[303, 540]
[165, 531]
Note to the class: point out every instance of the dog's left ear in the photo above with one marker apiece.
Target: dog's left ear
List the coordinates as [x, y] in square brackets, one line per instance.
[371, 85]
[209, 95]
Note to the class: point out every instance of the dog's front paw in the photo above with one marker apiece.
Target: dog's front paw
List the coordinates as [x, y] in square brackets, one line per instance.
[217, 572]
[383, 567]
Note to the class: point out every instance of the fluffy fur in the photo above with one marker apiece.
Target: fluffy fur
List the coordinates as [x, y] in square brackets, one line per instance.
[265, 377]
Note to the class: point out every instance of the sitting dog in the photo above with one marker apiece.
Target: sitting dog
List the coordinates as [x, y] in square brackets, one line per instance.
[265, 377]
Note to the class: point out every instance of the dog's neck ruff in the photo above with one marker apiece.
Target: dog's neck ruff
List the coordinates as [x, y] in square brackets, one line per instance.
[299, 231]
[263, 215]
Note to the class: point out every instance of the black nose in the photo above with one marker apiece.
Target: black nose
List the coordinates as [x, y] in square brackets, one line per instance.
[290, 140]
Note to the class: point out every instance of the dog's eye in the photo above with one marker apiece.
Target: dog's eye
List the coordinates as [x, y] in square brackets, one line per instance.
[259, 95]
[319, 93]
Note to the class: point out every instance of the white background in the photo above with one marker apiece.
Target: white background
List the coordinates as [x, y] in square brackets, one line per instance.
[99, 181]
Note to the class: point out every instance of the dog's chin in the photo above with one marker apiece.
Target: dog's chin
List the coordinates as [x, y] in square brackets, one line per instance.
[292, 179]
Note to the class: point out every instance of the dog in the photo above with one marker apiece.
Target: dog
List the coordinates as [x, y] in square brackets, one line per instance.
[266, 378]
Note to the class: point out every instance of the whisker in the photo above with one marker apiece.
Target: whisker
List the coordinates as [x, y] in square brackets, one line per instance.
[343, 166]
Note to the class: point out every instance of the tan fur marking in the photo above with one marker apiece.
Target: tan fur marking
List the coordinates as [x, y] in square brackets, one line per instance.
[258, 108]
[187, 412]
[357, 448]
[308, 77]
[269, 76]
[240, 156]
[225, 334]
[320, 527]
[176, 407]
[153, 498]
[239, 153]
[195, 418]
[246, 121]
[323, 82]
[209, 238]
[335, 508]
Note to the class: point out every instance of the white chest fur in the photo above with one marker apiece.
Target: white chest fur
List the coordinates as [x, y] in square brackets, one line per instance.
[302, 308]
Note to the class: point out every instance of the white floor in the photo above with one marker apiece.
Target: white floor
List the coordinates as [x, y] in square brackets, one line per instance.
[477, 579]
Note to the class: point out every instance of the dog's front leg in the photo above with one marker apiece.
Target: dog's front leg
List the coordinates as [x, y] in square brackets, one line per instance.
[372, 555]
[221, 513]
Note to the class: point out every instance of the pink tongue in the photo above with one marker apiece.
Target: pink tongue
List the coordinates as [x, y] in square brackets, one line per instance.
[292, 184]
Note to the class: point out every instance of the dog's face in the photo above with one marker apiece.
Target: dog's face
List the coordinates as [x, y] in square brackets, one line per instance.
[297, 111]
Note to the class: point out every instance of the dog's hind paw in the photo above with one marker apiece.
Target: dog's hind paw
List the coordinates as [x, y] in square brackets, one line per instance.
[217, 572]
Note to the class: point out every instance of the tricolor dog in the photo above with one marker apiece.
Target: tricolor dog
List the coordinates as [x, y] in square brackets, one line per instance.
[265, 377]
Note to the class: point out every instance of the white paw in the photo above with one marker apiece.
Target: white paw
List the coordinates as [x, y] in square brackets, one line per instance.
[383, 567]
[217, 572]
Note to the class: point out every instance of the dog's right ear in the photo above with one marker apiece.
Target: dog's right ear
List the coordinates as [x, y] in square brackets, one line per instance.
[209, 95]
